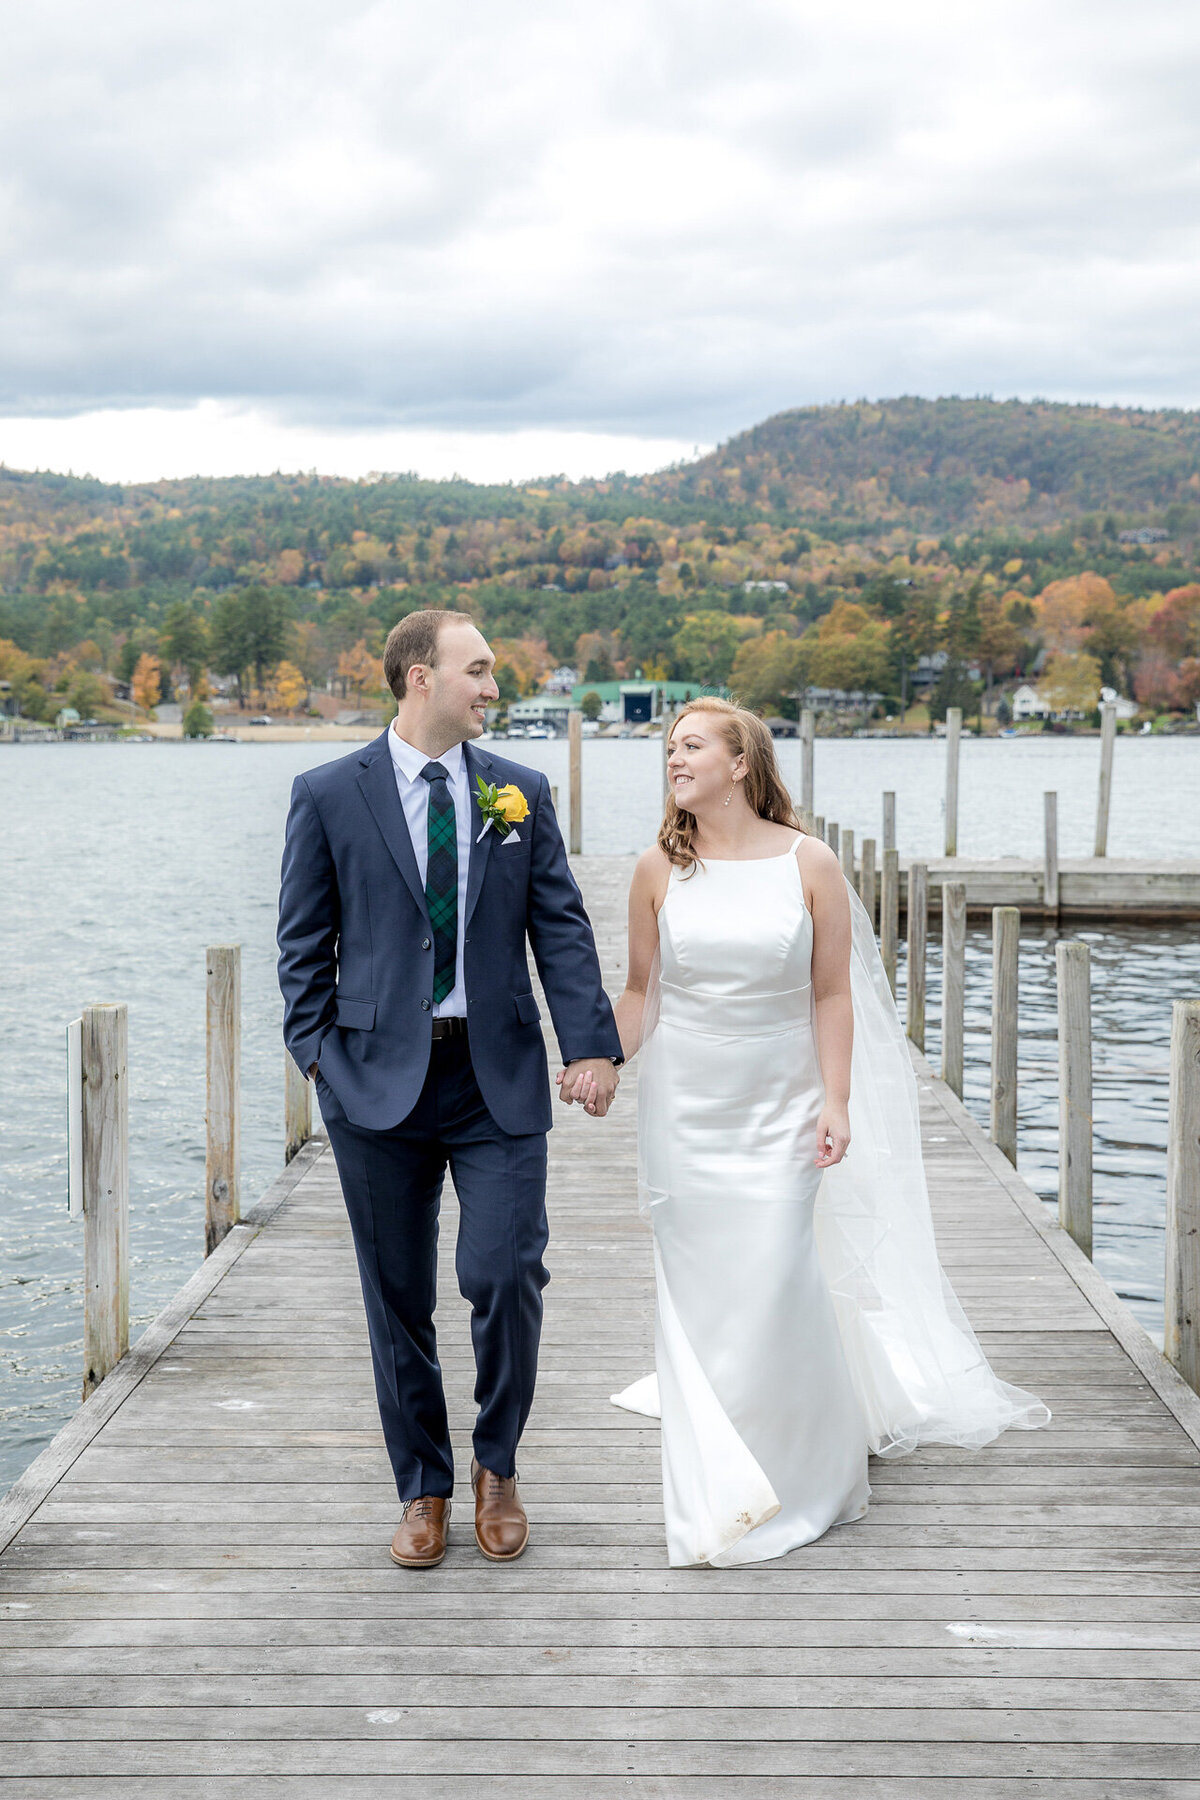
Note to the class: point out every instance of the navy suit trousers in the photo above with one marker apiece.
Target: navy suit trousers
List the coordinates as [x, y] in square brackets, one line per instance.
[392, 1183]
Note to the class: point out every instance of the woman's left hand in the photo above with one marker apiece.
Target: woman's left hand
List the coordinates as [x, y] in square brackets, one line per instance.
[833, 1136]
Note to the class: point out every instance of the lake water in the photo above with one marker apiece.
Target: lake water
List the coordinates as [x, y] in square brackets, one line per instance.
[122, 863]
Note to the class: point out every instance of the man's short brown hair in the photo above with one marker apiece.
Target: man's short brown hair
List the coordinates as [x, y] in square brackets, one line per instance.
[414, 640]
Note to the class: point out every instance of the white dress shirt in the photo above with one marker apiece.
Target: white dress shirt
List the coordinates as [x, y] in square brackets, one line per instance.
[407, 763]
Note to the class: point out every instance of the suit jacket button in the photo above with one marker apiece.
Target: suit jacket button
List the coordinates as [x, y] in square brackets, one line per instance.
[424, 1006]
[425, 944]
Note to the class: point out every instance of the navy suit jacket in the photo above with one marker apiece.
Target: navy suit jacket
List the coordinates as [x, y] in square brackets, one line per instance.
[356, 959]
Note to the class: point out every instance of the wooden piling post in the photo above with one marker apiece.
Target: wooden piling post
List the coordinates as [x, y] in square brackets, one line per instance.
[668, 719]
[832, 837]
[297, 1108]
[554, 797]
[105, 1046]
[1050, 865]
[917, 914]
[866, 887]
[847, 856]
[1006, 942]
[1181, 1299]
[224, 1046]
[1073, 966]
[954, 951]
[889, 821]
[953, 735]
[819, 828]
[889, 914]
[808, 726]
[1108, 732]
[575, 760]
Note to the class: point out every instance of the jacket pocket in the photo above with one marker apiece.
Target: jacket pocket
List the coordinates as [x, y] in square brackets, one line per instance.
[512, 857]
[527, 1009]
[359, 1015]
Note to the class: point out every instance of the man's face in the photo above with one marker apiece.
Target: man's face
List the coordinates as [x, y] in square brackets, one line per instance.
[461, 686]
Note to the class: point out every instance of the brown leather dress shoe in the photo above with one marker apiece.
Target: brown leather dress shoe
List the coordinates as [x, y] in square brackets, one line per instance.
[501, 1528]
[420, 1542]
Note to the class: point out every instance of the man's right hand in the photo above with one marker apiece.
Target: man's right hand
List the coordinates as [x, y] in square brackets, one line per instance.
[592, 1083]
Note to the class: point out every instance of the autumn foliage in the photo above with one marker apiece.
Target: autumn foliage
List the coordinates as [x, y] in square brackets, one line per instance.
[860, 549]
[146, 685]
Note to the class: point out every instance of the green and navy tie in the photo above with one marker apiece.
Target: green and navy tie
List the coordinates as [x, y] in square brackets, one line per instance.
[441, 878]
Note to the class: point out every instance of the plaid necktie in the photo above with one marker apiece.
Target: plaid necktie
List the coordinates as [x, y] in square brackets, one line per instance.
[441, 878]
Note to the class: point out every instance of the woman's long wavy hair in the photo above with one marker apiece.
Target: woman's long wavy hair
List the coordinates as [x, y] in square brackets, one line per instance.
[763, 786]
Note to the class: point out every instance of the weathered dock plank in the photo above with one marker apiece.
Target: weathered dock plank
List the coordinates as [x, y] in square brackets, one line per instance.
[197, 1599]
[1091, 887]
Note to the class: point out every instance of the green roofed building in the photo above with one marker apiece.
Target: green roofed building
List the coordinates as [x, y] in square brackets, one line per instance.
[637, 702]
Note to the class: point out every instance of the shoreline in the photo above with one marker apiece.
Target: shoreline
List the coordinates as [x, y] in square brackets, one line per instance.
[269, 734]
[357, 734]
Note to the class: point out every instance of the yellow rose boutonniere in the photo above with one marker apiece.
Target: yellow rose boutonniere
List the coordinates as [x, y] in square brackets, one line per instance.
[502, 807]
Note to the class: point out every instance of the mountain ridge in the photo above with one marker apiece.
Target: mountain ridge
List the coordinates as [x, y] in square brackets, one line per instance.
[953, 463]
[848, 542]
[949, 464]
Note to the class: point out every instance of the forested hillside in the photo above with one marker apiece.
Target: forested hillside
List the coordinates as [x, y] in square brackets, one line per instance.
[834, 545]
[955, 465]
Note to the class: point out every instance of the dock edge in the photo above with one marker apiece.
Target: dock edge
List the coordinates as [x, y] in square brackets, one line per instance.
[68, 1444]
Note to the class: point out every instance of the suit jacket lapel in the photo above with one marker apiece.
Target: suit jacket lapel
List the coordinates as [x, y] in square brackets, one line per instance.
[378, 784]
[481, 847]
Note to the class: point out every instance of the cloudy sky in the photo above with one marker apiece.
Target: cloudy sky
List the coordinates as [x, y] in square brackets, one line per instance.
[510, 237]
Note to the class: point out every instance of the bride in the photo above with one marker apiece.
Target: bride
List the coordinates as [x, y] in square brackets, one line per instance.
[803, 1320]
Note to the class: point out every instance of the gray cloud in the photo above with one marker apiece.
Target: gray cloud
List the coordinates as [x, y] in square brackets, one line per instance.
[647, 217]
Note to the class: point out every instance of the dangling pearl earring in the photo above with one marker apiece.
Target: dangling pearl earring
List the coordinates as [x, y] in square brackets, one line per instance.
[729, 795]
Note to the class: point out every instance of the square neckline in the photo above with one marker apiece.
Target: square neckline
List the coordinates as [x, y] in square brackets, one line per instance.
[790, 851]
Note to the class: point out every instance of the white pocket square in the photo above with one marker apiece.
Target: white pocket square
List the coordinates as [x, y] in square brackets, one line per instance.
[514, 837]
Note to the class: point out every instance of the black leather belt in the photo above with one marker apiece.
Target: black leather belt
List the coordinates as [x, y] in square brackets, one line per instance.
[449, 1028]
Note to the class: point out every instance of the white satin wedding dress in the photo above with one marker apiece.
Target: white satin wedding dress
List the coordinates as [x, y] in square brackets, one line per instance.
[803, 1320]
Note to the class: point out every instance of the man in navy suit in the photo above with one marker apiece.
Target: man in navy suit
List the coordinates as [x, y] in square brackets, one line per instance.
[403, 920]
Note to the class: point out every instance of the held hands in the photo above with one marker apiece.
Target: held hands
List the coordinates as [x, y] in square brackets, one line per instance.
[592, 1084]
[833, 1136]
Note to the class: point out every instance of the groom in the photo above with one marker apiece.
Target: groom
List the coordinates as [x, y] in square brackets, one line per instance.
[403, 918]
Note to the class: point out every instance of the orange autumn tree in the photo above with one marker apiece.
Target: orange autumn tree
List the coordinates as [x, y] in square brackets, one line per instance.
[360, 670]
[1066, 610]
[528, 657]
[601, 649]
[146, 685]
[1167, 674]
[288, 687]
[1175, 626]
[289, 567]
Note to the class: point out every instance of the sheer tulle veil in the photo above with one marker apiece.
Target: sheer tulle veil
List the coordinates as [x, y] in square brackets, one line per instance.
[916, 1365]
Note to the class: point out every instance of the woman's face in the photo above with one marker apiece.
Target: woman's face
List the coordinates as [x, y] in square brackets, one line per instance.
[701, 763]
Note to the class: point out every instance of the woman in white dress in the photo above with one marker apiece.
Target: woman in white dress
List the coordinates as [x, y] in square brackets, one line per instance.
[802, 1320]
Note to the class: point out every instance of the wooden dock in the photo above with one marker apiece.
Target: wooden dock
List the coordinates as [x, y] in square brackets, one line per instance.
[1089, 887]
[197, 1599]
